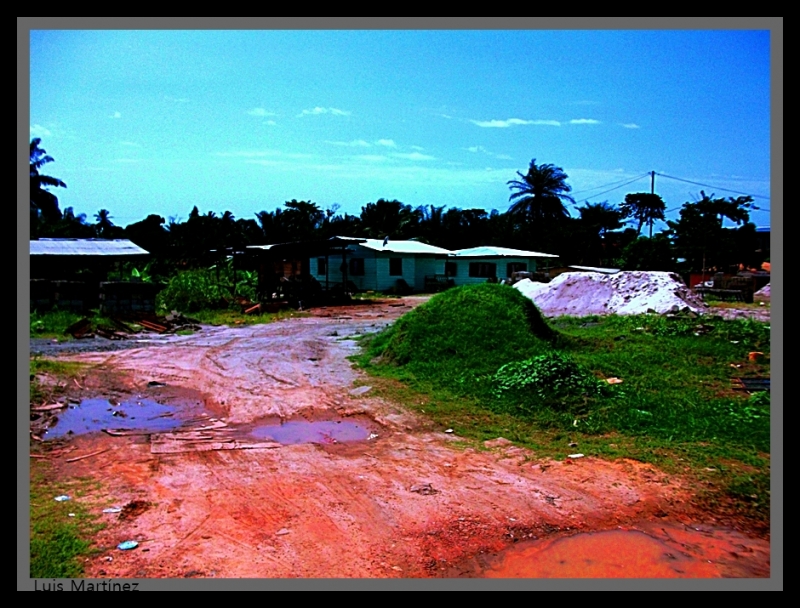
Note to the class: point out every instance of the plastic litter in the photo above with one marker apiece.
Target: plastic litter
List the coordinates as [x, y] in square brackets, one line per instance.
[573, 456]
[112, 510]
[126, 545]
[61, 498]
[449, 431]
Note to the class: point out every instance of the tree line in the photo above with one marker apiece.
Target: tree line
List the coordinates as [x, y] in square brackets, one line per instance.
[536, 220]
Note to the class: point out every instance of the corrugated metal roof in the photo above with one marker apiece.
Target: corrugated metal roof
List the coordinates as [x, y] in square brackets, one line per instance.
[595, 269]
[412, 247]
[86, 247]
[486, 252]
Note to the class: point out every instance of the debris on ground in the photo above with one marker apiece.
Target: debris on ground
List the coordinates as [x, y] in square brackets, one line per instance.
[425, 489]
[763, 293]
[625, 293]
[127, 545]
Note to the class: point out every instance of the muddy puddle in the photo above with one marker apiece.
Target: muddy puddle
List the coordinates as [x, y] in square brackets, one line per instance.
[651, 552]
[319, 431]
[92, 415]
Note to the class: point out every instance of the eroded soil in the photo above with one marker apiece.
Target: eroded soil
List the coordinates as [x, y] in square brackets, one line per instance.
[216, 499]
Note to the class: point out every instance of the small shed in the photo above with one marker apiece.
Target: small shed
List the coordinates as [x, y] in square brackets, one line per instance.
[71, 273]
[479, 264]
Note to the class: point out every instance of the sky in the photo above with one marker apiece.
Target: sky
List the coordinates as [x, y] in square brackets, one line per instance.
[158, 121]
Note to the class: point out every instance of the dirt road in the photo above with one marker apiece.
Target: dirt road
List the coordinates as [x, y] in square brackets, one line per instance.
[222, 497]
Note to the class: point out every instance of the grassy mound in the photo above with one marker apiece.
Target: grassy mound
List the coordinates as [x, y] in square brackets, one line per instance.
[464, 333]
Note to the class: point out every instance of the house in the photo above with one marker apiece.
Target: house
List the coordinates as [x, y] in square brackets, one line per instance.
[382, 265]
[557, 270]
[71, 273]
[479, 264]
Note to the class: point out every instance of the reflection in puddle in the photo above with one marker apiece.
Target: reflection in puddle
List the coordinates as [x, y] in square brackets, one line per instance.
[320, 431]
[97, 414]
[614, 554]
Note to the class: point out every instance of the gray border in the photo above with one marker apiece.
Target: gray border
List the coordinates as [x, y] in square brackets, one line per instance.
[773, 24]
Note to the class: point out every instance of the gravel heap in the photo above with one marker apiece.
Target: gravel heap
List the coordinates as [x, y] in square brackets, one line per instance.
[580, 294]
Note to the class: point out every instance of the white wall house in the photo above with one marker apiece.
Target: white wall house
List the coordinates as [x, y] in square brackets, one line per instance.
[478, 264]
[374, 264]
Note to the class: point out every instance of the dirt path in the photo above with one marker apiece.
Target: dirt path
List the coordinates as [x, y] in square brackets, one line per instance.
[406, 501]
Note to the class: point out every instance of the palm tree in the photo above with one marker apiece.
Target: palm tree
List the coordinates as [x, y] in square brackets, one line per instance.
[42, 201]
[541, 192]
[644, 207]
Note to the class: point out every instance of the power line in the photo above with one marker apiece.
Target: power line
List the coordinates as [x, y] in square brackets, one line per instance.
[714, 187]
[611, 184]
[615, 188]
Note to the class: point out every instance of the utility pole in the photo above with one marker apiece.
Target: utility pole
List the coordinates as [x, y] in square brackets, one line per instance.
[652, 191]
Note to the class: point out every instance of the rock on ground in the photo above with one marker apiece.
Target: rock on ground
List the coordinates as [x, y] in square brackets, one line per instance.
[581, 294]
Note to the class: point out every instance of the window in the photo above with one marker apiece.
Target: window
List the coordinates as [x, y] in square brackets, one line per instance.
[395, 267]
[450, 269]
[322, 266]
[357, 267]
[482, 270]
[516, 267]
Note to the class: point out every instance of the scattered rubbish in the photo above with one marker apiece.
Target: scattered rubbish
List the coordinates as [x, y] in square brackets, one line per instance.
[572, 444]
[448, 430]
[155, 383]
[80, 329]
[574, 456]
[61, 498]
[71, 514]
[736, 365]
[425, 489]
[734, 341]
[755, 355]
[282, 532]
[127, 545]
[47, 408]
[112, 510]
[751, 384]
[398, 568]
[372, 436]
[613, 380]
[575, 422]
[360, 390]
[253, 310]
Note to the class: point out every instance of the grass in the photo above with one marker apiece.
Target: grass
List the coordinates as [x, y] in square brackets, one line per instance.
[674, 408]
[61, 371]
[233, 317]
[59, 543]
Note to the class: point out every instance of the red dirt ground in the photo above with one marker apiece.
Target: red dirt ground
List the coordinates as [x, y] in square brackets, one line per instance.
[409, 502]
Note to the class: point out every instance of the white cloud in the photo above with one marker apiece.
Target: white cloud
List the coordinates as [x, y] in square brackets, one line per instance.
[502, 124]
[356, 143]
[419, 148]
[319, 110]
[270, 122]
[371, 157]
[260, 112]
[116, 115]
[483, 150]
[38, 130]
[476, 149]
[630, 125]
[413, 156]
[262, 153]
[584, 121]
[446, 116]
[503, 156]
[389, 143]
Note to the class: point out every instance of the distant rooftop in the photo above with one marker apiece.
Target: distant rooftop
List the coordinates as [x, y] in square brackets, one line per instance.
[86, 247]
[398, 246]
[595, 269]
[485, 252]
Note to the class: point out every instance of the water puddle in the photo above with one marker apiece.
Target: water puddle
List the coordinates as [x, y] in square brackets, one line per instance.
[662, 552]
[319, 431]
[93, 415]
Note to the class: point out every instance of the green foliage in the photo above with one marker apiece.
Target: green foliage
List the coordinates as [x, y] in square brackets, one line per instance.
[552, 379]
[193, 290]
[51, 323]
[652, 254]
[462, 336]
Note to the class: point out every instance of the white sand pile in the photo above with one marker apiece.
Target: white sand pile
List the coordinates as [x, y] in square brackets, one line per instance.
[763, 292]
[580, 294]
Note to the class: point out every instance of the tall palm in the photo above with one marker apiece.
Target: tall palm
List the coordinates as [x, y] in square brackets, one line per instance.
[540, 193]
[645, 208]
[42, 201]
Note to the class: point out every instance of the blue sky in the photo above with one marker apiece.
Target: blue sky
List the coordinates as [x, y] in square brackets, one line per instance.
[142, 122]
